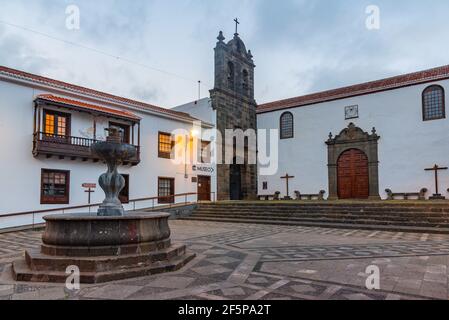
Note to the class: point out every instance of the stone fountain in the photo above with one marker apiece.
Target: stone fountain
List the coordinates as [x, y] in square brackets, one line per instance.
[108, 245]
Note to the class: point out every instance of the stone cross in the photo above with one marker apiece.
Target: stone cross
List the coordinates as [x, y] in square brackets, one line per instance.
[436, 169]
[287, 177]
[236, 20]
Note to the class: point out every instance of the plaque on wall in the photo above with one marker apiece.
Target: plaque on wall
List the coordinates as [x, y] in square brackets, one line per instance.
[351, 112]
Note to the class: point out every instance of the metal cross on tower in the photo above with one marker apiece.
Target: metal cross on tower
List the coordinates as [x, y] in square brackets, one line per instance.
[236, 20]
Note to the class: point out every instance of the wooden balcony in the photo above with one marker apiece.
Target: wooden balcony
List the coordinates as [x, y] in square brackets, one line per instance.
[69, 147]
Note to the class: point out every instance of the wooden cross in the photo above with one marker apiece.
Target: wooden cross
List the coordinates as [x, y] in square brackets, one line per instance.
[436, 168]
[287, 178]
[89, 191]
[236, 20]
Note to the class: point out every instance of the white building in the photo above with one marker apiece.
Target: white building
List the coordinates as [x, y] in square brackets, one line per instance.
[411, 134]
[46, 128]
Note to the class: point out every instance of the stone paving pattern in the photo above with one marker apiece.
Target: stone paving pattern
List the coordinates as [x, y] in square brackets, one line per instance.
[263, 262]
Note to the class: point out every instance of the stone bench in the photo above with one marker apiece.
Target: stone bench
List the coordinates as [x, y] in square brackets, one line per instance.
[269, 197]
[319, 196]
[406, 195]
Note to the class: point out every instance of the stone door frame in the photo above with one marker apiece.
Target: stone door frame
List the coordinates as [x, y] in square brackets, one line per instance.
[354, 138]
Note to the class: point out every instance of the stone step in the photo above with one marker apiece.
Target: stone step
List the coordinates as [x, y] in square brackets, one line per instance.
[325, 216]
[22, 272]
[325, 204]
[38, 261]
[328, 209]
[331, 220]
[374, 227]
[341, 213]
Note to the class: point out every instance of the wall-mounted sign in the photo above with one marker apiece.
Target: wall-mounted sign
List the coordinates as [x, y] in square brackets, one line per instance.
[89, 185]
[351, 112]
[204, 169]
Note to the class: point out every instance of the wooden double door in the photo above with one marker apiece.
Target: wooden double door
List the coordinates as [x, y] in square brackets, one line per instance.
[353, 175]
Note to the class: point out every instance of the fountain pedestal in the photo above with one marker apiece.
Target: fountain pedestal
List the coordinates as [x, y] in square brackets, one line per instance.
[106, 246]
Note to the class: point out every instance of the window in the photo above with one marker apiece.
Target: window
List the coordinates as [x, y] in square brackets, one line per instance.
[166, 145]
[166, 190]
[245, 81]
[55, 186]
[433, 103]
[231, 75]
[123, 129]
[287, 130]
[265, 185]
[205, 152]
[56, 124]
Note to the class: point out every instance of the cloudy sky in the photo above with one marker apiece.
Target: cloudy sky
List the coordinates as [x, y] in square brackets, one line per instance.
[299, 46]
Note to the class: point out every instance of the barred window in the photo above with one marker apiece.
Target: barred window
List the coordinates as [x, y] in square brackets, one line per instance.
[433, 103]
[286, 127]
[55, 187]
[166, 145]
[166, 190]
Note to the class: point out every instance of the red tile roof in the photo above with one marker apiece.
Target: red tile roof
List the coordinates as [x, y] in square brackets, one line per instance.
[88, 106]
[415, 78]
[91, 92]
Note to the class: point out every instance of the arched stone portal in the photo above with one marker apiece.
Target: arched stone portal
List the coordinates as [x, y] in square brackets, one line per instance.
[353, 138]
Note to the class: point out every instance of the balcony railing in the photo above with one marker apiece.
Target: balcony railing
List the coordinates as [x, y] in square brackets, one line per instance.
[69, 147]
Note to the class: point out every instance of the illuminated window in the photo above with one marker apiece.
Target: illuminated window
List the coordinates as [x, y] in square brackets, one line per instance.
[56, 124]
[55, 187]
[433, 103]
[166, 144]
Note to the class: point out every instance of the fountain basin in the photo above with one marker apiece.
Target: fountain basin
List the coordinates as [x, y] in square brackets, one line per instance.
[90, 230]
[103, 248]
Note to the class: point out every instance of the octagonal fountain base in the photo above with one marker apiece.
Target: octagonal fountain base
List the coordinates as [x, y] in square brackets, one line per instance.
[103, 248]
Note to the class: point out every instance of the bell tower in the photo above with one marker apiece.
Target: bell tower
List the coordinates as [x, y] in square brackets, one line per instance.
[233, 100]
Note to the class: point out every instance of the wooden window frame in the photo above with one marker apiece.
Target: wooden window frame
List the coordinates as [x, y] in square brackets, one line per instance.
[171, 197]
[161, 154]
[282, 136]
[424, 103]
[66, 199]
[68, 117]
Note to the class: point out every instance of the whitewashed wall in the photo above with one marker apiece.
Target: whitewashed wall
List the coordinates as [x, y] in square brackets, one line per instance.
[407, 146]
[20, 172]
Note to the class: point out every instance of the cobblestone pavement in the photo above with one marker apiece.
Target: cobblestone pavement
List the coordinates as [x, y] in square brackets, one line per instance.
[262, 262]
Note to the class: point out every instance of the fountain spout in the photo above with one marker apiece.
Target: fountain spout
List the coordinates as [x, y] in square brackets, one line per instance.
[113, 152]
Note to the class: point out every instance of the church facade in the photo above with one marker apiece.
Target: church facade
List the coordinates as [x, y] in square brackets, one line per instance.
[357, 142]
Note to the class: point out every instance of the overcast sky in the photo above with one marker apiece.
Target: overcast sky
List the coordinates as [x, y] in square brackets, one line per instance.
[299, 46]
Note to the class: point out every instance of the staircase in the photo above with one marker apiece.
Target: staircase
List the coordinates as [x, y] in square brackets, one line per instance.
[422, 217]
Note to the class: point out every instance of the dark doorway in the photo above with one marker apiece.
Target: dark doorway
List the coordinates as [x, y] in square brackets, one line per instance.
[235, 180]
[353, 175]
[203, 188]
[124, 194]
